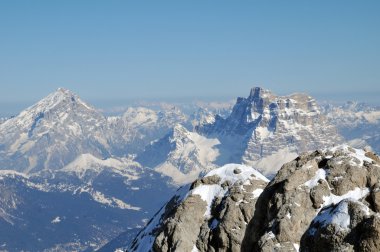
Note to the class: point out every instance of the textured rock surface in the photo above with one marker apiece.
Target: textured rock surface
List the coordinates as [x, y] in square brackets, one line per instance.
[212, 216]
[326, 200]
[294, 123]
[347, 226]
[339, 186]
[180, 232]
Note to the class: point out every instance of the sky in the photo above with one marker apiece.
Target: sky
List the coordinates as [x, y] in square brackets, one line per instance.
[118, 50]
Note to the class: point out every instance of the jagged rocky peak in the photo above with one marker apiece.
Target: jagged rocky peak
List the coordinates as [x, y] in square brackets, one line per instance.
[248, 110]
[258, 92]
[326, 200]
[263, 108]
[209, 215]
[263, 101]
[265, 130]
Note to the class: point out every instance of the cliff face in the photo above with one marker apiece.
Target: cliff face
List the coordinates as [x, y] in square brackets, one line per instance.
[264, 127]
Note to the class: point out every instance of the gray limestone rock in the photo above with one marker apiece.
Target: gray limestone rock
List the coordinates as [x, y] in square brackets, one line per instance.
[215, 224]
[326, 200]
[315, 184]
[181, 230]
[347, 226]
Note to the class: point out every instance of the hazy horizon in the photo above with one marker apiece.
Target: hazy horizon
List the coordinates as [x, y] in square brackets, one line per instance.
[116, 106]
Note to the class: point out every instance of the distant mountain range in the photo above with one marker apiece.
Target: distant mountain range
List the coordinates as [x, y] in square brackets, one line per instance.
[62, 172]
[64, 164]
[358, 123]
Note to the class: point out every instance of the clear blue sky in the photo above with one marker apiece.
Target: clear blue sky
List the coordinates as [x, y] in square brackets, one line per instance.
[142, 49]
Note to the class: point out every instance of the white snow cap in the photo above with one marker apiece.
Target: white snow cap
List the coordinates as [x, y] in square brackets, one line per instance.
[226, 173]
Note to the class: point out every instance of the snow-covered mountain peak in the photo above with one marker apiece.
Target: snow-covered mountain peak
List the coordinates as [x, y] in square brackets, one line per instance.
[54, 99]
[57, 107]
[64, 91]
[61, 97]
[58, 104]
[52, 132]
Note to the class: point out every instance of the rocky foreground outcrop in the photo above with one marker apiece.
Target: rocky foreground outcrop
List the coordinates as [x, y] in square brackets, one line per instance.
[322, 201]
[326, 200]
[209, 215]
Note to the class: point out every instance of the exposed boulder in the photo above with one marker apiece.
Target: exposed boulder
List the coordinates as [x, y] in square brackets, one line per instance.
[318, 184]
[181, 230]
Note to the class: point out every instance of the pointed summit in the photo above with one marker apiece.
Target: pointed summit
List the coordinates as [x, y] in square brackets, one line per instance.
[62, 94]
[52, 132]
[256, 91]
[61, 99]
[63, 90]
[66, 93]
